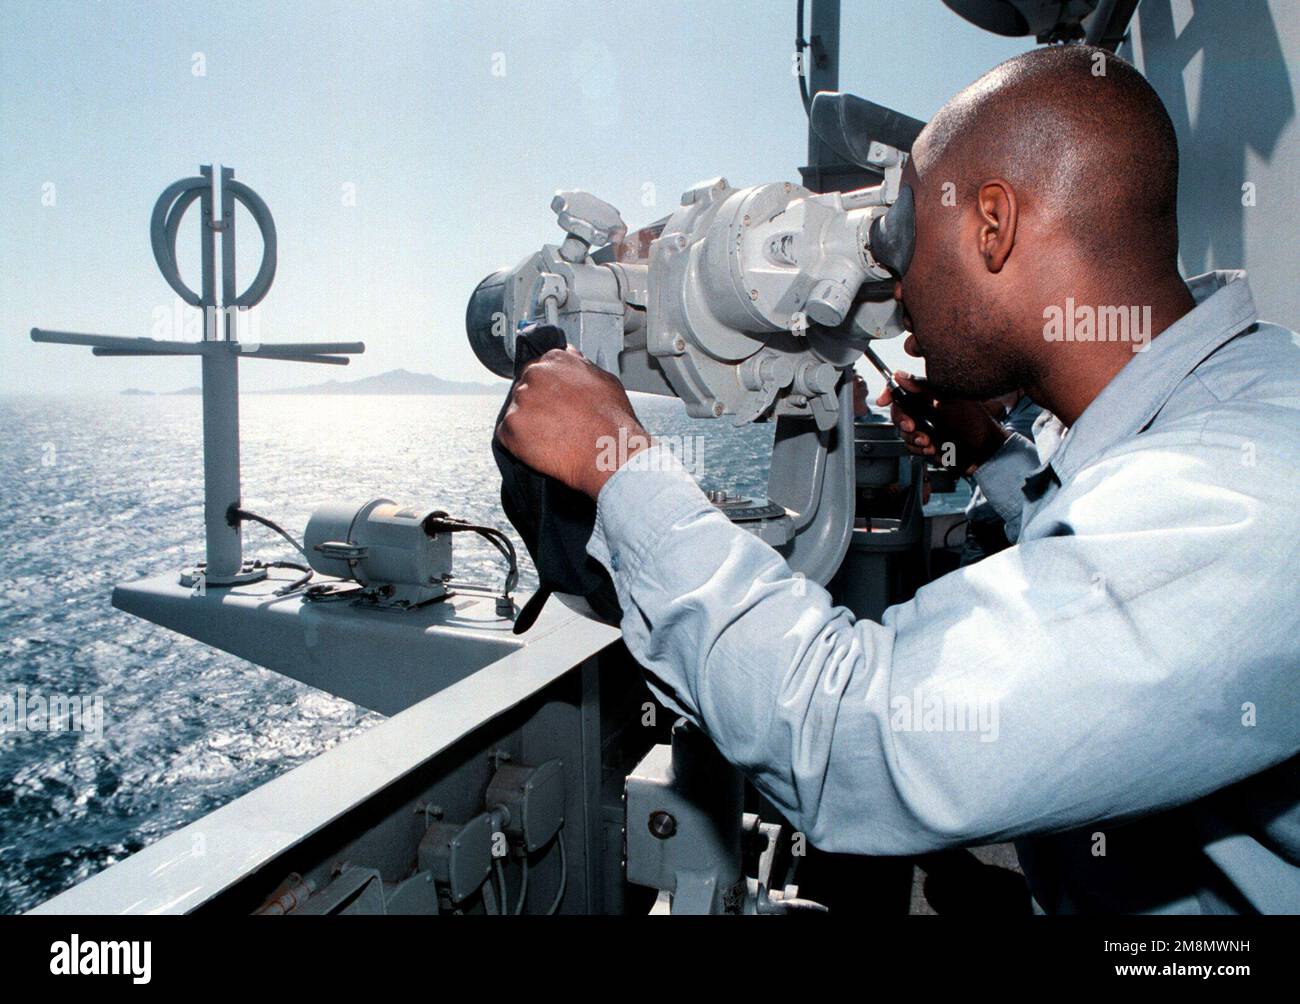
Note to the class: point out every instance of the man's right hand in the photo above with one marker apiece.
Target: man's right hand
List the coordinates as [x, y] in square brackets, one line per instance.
[973, 433]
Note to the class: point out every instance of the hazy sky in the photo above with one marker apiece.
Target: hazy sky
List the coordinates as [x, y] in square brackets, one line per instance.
[449, 124]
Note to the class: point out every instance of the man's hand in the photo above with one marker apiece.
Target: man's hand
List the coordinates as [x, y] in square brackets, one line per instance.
[565, 418]
[860, 407]
[973, 433]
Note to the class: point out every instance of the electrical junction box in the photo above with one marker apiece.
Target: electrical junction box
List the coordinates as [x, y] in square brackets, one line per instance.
[534, 797]
[458, 855]
[387, 548]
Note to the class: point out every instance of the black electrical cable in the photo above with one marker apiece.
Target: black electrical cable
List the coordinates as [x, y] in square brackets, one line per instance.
[235, 515]
[298, 583]
[440, 522]
[502, 543]
[948, 532]
[798, 905]
[800, 44]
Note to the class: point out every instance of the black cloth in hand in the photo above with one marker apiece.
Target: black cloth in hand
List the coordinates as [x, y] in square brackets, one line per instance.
[554, 520]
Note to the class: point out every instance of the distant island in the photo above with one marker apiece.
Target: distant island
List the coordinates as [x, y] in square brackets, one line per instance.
[392, 382]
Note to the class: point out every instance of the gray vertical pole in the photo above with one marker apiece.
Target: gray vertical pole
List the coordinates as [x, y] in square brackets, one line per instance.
[220, 404]
[823, 68]
[221, 463]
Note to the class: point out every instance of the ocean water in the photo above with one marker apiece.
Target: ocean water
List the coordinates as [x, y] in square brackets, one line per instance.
[100, 490]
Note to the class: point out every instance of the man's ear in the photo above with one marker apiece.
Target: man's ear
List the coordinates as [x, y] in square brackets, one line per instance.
[998, 212]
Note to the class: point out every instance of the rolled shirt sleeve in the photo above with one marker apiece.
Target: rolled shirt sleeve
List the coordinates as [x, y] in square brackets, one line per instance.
[1093, 671]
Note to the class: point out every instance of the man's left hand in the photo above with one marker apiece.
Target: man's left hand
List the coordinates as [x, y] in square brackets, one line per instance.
[561, 412]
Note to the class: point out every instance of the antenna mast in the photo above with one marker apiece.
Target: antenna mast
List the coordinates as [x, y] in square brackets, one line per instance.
[220, 348]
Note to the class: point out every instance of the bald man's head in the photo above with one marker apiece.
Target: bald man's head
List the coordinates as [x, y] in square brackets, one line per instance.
[1080, 133]
[1059, 166]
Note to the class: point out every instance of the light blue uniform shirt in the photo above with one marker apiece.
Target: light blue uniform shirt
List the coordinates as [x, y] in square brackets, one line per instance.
[1119, 691]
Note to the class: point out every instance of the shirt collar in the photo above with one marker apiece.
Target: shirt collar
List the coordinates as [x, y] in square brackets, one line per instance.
[1135, 395]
